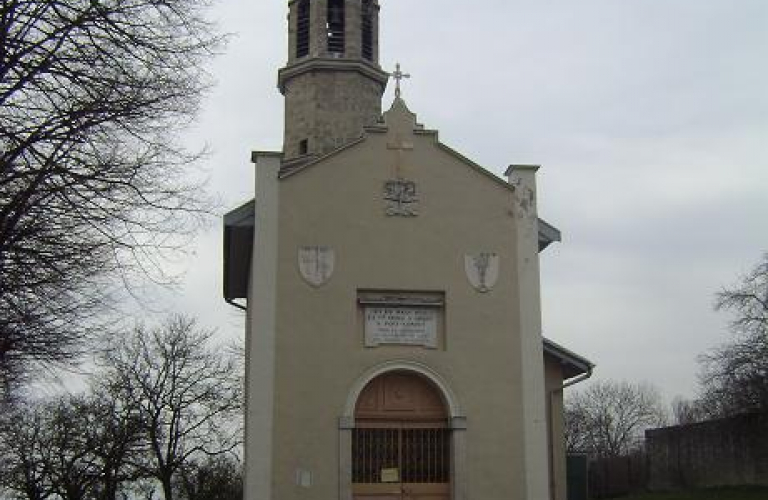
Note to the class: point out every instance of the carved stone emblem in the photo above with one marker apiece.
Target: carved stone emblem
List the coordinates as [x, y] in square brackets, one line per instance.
[316, 264]
[482, 270]
[525, 206]
[401, 198]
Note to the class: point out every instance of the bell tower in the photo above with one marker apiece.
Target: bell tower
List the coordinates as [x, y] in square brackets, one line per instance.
[332, 82]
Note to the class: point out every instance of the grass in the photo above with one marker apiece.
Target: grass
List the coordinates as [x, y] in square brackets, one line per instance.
[729, 493]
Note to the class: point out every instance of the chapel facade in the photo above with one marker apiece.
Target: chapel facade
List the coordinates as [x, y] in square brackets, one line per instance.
[394, 345]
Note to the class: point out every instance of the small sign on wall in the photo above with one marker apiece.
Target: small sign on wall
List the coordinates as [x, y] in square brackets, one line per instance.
[304, 478]
[405, 318]
[390, 475]
[401, 325]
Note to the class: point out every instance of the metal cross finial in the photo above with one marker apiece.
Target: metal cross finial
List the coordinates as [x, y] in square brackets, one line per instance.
[398, 76]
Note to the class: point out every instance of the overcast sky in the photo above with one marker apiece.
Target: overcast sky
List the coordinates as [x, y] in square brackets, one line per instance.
[650, 121]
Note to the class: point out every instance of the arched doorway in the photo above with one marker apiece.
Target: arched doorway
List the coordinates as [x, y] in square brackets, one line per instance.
[401, 442]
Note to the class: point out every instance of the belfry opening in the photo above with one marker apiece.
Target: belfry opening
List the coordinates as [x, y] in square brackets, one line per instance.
[336, 22]
[302, 28]
[366, 23]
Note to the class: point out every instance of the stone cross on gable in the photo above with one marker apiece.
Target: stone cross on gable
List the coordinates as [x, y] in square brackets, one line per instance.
[400, 146]
[398, 76]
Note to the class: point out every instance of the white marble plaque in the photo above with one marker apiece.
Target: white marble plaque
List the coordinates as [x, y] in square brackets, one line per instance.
[401, 325]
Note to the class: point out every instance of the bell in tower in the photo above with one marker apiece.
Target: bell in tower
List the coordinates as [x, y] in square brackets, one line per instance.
[332, 82]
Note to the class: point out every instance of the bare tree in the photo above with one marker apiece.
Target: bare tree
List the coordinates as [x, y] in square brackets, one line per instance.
[71, 467]
[187, 395]
[215, 478]
[608, 418]
[22, 446]
[92, 96]
[576, 429]
[735, 375]
[688, 411]
[71, 447]
[116, 436]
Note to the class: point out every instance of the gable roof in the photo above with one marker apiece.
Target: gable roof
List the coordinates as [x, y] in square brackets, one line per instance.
[398, 121]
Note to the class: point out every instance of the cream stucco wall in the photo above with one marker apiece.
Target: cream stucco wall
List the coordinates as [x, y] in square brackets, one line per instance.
[260, 335]
[556, 427]
[318, 336]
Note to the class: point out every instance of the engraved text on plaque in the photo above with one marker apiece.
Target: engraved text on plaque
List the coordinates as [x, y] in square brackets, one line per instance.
[401, 325]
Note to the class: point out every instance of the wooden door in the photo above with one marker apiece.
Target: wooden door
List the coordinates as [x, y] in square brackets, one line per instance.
[401, 447]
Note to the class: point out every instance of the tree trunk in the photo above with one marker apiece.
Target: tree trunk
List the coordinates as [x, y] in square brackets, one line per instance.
[167, 488]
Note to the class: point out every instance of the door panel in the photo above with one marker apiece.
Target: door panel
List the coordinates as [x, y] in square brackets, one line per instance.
[426, 491]
[401, 462]
[401, 444]
[404, 491]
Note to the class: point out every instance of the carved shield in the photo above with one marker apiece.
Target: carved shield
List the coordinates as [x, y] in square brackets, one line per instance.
[316, 264]
[482, 270]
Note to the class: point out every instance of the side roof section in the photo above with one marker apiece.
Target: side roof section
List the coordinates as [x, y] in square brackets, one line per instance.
[573, 365]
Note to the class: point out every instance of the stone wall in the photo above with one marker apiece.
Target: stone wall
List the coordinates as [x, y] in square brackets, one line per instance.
[328, 109]
[730, 451]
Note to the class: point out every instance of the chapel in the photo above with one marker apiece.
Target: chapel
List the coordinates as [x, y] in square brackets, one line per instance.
[391, 286]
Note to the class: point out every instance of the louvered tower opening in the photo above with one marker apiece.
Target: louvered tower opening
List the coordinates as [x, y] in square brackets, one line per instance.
[336, 26]
[367, 29]
[302, 29]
